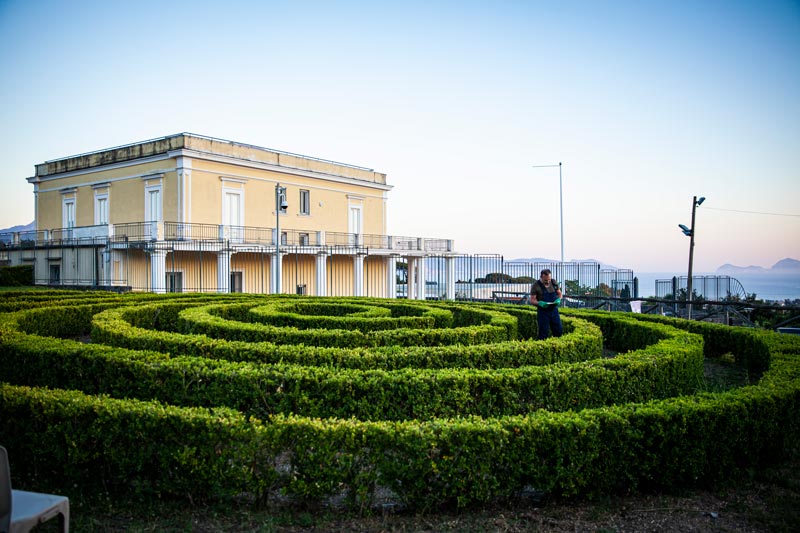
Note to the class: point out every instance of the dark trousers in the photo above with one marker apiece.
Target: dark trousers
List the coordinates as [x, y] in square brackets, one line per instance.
[547, 320]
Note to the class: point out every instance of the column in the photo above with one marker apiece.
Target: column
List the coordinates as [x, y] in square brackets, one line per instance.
[358, 275]
[411, 282]
[276, 279]
[421, 281]
[450, 281]
[224, 271]
[106, 266]
[322, 271]
[158, 271]
[391, 276]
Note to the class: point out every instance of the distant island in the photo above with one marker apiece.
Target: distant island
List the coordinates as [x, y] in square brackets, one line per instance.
[784, 266]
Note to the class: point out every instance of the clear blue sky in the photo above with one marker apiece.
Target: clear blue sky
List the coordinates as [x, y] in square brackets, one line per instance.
[646, 103]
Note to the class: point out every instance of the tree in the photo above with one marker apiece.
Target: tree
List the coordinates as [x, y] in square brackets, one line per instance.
[495, 277]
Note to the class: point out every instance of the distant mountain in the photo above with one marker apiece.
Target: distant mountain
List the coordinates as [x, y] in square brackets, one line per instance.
[787, 265]
[533, 260]
[728, 268]
[782, 266]
[26, 227]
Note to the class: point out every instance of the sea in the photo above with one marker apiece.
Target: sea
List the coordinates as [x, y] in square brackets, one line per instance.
[766, 286]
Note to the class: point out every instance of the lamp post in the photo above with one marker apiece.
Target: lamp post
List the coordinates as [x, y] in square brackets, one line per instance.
[689, 232]
[280, 207]
[560, 202]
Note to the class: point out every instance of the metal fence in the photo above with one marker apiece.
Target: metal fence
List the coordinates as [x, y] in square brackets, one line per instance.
[489, 277]
[196, 255]
[715, 288]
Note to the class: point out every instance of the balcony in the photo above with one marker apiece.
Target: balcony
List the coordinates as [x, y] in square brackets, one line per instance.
[144, 233]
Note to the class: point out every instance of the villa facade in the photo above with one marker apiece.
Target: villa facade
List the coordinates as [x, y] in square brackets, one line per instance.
[192, 213]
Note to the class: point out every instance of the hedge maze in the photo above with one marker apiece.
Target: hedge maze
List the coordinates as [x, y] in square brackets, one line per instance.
[219, 397]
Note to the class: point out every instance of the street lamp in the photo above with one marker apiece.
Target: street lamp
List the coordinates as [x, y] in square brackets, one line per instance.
[280, 207]
[560, 202]
[689, 232]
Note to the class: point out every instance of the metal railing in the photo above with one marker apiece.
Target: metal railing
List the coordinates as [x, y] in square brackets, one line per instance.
[718, 288]
[134, 231]
[182, 231]
[190, 231]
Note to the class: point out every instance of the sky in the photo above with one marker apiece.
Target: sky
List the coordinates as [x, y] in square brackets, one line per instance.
[645, 103]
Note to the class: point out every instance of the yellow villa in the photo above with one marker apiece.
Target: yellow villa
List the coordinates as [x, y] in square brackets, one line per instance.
[193, 213]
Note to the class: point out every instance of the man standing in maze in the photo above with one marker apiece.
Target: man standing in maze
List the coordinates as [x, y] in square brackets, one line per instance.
[546, 295]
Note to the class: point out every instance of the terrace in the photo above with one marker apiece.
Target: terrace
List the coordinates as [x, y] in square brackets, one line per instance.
[143, 233]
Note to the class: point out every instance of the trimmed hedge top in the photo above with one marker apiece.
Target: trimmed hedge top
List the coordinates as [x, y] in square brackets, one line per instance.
[436, 402]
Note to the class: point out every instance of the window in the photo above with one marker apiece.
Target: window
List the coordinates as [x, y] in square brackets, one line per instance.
[304, 239]
[232, 207]
[55, 274]
[236, 282]
[354, 224]
[174, 281]
[152, 206]
[101, 209]
[284, 238]
[68, 213]
[152, 210]
[232, 214]
[305, 202]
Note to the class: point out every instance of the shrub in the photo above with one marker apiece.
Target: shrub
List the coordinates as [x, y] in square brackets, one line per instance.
[431, 436]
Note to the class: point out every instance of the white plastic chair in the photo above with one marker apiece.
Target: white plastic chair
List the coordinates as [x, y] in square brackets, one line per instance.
[21, 511]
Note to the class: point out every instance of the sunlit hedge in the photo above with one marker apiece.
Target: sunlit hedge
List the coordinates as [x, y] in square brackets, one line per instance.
[129, 394]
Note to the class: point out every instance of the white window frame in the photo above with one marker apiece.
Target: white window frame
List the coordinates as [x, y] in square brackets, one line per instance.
[67, 221]
[305, 202]
[101, 197]
[148, 216]
[351, 207]
[234, 232]
[225, 211]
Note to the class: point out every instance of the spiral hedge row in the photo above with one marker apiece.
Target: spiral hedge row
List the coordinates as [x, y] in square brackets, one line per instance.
[432, 403]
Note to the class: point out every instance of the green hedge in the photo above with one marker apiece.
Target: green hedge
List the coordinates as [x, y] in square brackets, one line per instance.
[363, 318]
[673, 366]
[14, 276]
[745, 343]
[96, 444]
[685, 441]
[225, 321]
[678, 441]
[150, 327]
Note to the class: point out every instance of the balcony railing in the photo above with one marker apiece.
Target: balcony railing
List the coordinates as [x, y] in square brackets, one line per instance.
[181, 231]
[135, 231]
[143, 232]
[100, 231]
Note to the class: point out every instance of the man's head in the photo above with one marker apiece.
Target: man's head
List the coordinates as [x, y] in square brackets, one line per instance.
[545, 276]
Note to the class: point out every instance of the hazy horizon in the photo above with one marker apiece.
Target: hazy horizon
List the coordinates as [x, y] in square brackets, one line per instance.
[646, 104]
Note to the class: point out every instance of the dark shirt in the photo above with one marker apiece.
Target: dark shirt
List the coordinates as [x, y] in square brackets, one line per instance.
[538, 289]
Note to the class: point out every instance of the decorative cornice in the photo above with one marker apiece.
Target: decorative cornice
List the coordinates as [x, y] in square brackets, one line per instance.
[277, 168]
[224, 179]
[93, 170]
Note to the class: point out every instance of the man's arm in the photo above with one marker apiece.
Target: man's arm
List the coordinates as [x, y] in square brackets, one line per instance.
[534, 296]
